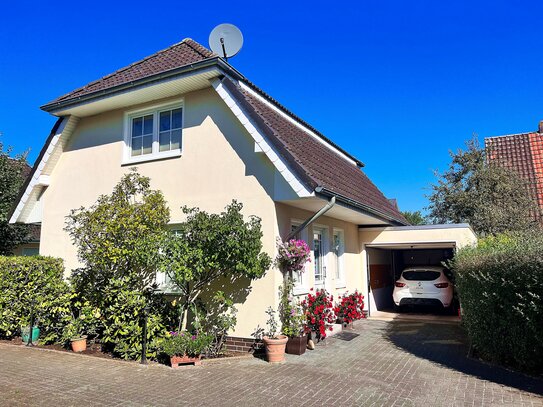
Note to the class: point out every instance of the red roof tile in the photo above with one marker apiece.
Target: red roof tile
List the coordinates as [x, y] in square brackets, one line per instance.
[522, 153]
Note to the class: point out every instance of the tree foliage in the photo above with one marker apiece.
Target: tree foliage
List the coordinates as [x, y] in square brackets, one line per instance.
[491, 198]
[12, 177]
[118, 241]
[207, 247]
[414, 217]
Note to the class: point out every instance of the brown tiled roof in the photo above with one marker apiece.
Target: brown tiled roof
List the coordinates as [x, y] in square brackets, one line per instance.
[522, 153]
[320, 165]
[315, 163]
[183, 53]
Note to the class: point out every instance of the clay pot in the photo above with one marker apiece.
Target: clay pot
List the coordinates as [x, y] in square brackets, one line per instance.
[79, 344]
[275, 348]
[297, 345]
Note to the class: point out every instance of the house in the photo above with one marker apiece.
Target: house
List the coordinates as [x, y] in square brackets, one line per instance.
[205, 134]
[522, 153]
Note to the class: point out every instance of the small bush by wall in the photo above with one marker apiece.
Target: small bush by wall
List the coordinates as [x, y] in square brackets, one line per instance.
[500, 286]
[33, 283]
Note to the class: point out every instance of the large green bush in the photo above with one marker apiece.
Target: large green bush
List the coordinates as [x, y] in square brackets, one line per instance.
[33, 283]
[500, 285]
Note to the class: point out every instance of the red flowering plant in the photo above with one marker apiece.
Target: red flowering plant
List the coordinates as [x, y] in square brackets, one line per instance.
[319, 311]
[292, 255]
[350, 307]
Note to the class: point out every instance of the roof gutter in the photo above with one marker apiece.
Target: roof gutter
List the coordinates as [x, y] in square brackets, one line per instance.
[365, 209]
[312, 219]
[53, 107]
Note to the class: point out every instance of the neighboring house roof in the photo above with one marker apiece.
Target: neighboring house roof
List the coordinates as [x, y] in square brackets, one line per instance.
[314, 158]
[522, 153]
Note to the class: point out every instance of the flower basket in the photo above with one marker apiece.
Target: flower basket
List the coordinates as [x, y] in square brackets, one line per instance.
[176, 360]
[275, 348]
[296, 345]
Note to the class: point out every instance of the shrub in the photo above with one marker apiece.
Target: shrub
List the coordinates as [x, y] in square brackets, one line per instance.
[220, 318]
[350, 307]
[183, 343]
[291, 313]
[34, 284]
[319, 311]
[500, 286]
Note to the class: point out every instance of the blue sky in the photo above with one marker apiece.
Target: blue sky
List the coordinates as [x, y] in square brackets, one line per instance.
[396, 83]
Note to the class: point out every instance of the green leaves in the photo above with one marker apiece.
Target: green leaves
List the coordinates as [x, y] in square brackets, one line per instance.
[33, 284]
[208, 247]
[491, 198]
[500, 285]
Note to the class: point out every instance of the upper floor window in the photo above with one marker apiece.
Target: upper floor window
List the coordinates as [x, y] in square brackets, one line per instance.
[153, 133]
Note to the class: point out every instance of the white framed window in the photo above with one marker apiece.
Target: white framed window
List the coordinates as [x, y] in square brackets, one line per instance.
[338, 247]
[153, 133]
[301, 280]
[320, 251]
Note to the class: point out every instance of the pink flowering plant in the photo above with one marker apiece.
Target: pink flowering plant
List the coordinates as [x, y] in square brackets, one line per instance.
[292, 255]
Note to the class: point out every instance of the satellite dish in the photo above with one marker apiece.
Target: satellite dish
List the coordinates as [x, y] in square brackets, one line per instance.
[226, 40]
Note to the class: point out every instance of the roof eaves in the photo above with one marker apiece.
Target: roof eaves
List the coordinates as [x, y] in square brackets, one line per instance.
[56, 105]
[35, 166]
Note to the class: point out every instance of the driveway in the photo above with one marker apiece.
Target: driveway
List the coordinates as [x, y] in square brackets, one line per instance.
[388, 364]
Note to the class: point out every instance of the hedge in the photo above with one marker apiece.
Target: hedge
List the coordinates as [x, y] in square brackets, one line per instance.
[500, 286]
[33, 283]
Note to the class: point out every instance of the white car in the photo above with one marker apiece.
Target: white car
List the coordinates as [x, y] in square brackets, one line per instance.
[423, 285]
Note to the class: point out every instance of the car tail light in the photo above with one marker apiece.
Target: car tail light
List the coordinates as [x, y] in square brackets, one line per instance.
[398, 284]
[442, 285]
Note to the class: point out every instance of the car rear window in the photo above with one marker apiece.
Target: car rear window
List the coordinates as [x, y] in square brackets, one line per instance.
[421, 275]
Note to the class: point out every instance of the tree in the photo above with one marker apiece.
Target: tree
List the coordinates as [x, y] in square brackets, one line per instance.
[414, 217]
[491, 198]
[208, 247]
[118, 241]
[119, 237]
[12, 176]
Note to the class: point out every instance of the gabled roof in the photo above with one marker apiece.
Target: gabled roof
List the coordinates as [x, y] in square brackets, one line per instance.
[183, 53]
[316, 160]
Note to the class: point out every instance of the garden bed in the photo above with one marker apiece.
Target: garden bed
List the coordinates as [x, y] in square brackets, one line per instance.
[93, 349]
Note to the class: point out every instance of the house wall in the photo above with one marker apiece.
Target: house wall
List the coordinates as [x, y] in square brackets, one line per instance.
[355, 278]
[218, 164]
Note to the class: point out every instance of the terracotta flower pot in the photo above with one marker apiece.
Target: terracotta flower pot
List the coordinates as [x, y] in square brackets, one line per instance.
[175, 360]
[297, 345]
[275, 348]
[79, 344]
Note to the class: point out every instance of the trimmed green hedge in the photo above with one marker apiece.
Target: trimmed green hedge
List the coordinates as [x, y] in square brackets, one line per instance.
[33, 283]
[500, 285]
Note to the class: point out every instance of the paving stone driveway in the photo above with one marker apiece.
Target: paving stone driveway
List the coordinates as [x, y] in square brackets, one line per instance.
[388, 364]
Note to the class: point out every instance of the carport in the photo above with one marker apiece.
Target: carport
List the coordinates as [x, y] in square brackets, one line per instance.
[389, 250]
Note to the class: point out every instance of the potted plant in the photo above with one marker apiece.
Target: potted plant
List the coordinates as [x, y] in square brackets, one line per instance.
[350, 309]
[274, 343]
[319, 312]
[183, 347]
[74, 334]
[293, 321]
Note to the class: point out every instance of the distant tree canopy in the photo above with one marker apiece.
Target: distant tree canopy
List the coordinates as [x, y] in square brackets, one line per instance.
[12, 176]
[414, 217]
[491, 198]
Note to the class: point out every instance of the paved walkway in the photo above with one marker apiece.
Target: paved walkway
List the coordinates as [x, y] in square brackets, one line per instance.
[388, 364]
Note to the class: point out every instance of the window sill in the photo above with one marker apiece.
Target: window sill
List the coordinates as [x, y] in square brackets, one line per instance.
[300, 290]
[340, 285]
[152, 157]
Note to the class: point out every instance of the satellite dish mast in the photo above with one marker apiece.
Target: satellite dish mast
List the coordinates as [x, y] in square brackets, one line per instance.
[226, 40]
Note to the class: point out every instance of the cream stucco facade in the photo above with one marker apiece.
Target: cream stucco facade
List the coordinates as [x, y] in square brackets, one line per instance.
[219, 162]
